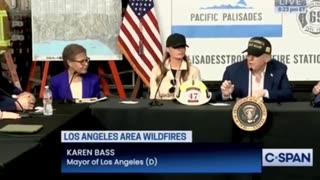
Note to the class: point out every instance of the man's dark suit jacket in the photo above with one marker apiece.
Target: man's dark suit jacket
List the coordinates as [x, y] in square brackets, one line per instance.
[275, 81]
[7, 103]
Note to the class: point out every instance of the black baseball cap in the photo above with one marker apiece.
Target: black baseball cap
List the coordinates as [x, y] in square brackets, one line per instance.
[176, 40]
[258, 46]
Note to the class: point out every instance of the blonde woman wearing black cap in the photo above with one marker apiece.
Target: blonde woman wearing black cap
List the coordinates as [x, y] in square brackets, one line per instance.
[174, 69]
[259, 73]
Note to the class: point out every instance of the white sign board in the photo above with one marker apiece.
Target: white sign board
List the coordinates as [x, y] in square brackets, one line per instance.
[217, 32]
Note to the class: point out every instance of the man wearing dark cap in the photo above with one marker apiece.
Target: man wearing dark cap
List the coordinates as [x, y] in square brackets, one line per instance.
[266, 77]
[174, 69]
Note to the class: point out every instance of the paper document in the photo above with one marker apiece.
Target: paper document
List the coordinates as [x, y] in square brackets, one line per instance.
[90, 100]
[219, 104]
[129, 102]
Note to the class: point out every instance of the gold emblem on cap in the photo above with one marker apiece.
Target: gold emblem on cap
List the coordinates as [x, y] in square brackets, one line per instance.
[249, 113]
[268, 49]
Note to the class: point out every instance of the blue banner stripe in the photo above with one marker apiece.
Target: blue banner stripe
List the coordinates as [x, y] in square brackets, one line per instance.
[161, 158]
[232, 31]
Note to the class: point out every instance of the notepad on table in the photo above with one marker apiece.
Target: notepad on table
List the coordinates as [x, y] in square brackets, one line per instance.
[21, 128]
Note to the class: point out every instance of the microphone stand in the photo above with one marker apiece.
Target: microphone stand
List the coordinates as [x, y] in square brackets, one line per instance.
[251, 71]
[251, 138]
[65, 100]
[155, 101]
[24, 113]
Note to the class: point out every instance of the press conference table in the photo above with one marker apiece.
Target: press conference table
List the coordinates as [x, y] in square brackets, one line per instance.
[202, 120]
[209, 123]
[63, 113]
[289, 125]
[33, 154]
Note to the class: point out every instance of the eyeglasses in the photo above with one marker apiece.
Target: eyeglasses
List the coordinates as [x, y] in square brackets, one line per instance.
[173, 83]
[83, 61]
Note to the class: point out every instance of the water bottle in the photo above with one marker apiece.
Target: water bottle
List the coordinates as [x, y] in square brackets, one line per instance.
[47, 102]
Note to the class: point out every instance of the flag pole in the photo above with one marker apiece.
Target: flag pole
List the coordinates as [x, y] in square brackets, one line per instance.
[141, 35]
[137, 85]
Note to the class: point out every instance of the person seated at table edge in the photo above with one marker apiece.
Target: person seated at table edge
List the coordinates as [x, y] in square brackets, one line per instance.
[173, 70]
[269, 76]
[75, 82]
[23, 101]
[316, 94]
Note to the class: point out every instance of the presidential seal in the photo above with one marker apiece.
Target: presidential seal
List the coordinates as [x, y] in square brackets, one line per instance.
[249, 113]
[309, 22]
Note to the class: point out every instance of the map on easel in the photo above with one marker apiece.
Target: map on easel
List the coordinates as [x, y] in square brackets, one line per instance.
[93, 24]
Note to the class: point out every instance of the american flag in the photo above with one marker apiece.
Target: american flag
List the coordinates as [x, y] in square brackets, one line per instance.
[139, 38]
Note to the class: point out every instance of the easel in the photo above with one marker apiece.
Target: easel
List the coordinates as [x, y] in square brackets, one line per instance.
[103, 81]
[12, 69]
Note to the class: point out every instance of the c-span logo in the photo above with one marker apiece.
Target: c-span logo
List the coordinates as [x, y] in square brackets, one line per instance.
[249, 114]
[287, 157]
[309, 22]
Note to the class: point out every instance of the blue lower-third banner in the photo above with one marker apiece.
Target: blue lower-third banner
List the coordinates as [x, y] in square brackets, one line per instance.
[161, 158]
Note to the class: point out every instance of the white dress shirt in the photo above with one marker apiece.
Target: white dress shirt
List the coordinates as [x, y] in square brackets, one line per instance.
[76, 90]
[256, 84]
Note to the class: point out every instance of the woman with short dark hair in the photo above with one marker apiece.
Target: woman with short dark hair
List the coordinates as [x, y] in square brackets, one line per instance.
[75, 82]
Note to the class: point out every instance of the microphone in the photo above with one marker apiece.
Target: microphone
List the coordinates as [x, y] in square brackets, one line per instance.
[155, 101]
[22, 114]
[251, 76]
[65, 100]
